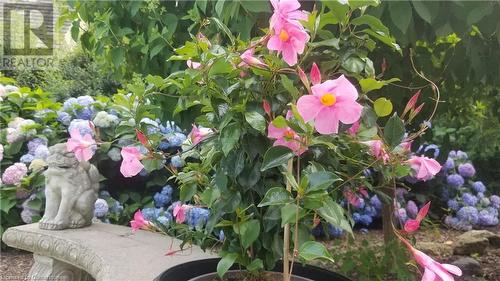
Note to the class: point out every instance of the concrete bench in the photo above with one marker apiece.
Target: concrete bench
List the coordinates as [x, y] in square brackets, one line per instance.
[101, 252]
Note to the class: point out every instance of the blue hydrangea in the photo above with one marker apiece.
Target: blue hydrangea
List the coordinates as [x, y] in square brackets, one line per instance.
[176, 139]
[151, 213]
[317, 231]
[402, 215]
[492, 211]
[469, 199]
[411, 209]
[221, 235]
[486, 219]
[82, 125]
[68, 105]
[495, 201]
[367, 173]
[177, 161]
[455, 180]
[466, 170]
[26, 158]
[116, 208]
[143, 173]
[468, 215]
[480, 195]
[64, 117]
[432, 147]
[365, 219]
[197, 217]
[356, 217]
[104, 194]
[84, 113]
[364, 230]
[100, 208]
[161, 199]
[375, 202]
[85, 100]
[400, 193]
[451, 221]
[335, 231]
[449, 164]
[169, 128]
[462, 155]
[167, 189]
[453, 204]
[371, 211]
[361, 204]
[478, 186]
[164, 220]
[452, 154]
[42, 152]
[163, 145]
[34, 143]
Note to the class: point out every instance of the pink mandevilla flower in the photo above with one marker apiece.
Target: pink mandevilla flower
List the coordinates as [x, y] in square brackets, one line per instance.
[377, 150]
[286, 137]
[286, 10]
[413, 225]
[289, 38]
[353, 130]
[193, 64]
[248, 59]
[138, 222]
[179, 212]
[433, 270]
[331, 102]
[82, 146]
[425, 168]
[131, 164]
[199, 133]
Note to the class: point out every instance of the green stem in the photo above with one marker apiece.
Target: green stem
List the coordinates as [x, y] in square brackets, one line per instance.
[286, 235]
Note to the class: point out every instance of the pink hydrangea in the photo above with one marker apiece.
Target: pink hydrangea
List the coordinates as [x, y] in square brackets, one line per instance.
[14, 173]
[131, 164]
[331, 102]
[82, 146]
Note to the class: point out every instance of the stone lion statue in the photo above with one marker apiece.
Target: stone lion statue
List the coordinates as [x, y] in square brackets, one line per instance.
[71, 189]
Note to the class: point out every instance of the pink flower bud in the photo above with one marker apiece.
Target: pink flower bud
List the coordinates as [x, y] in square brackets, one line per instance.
[315, 74]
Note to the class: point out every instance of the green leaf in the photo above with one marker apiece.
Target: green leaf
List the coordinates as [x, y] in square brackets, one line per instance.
[225, 263]
[276, 196]
[117, 56]
[187, 192]
[353, 64]
[370, 84]
[401, 14]
[394, 131]
[152, 164]
[230, 135]
[373, 22]
[256, 6]
[257, 121]
[384, 38]
[276, 156]
[312, 250]
[333, 213]
[224, 28]
[383, 107]
[288, 85]
[289, 213]
[280, 122]
[220, 66]
[332, 42]
[427, 10]
[256, 265]
[249, 232]
[321, 180]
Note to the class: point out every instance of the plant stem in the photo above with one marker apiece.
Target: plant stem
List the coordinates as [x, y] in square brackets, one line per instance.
[296, 230]
[286, 234]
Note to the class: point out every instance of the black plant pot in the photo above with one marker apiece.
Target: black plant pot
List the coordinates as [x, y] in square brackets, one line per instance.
[206, 270]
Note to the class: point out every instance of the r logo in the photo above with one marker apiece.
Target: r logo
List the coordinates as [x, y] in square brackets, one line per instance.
[44, 32]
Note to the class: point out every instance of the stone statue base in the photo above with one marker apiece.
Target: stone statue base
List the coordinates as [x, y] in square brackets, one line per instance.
[46, 268]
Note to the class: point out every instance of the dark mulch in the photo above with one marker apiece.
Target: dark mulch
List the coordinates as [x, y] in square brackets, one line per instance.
[15, 264]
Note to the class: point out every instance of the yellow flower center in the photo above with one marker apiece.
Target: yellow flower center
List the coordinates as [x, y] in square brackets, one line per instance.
[289, 134]
[284, 36]
[328, 99]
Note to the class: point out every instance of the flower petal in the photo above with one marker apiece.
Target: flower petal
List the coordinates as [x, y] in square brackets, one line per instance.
[348, 112]
[452, 269]
[345, 90]
[327, 121]
[429, 275]
[274, 43]
[274, 133]
[309, 107]
[289, 54]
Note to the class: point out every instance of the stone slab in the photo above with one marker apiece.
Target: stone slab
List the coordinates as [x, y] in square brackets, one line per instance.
[107, 252]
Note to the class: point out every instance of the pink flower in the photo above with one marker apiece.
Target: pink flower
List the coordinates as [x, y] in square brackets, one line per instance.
[286, 10]
[405, 146]
[315, 74]
[286, 137]
[352, 198]
[413, 225]
[1, 152]
[266, 106]
[433, 270]
[288, 38]
[82, 147]
[180, 211]
[331, 101]
[193, 64]
[377, 150]
[138, 222]
[353, 129]
[199, 133]
[14, 173]
[248, 59]
[131, 165]
[425, 168]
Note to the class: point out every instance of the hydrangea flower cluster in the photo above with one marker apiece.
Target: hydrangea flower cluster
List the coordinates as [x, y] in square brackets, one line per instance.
[37, 149]
[164, 197]
[14, 173]
[466, 198]
[28, 213]
[20, 129]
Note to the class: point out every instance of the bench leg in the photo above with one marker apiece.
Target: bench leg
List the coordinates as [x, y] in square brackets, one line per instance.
[49, 269]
